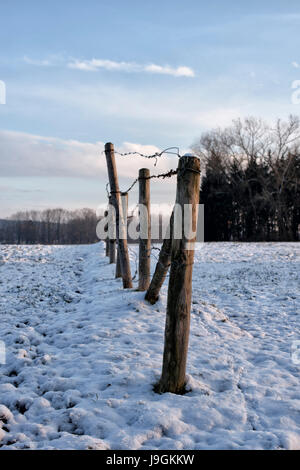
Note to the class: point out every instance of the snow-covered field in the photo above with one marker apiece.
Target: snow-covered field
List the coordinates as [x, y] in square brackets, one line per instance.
[82, 354]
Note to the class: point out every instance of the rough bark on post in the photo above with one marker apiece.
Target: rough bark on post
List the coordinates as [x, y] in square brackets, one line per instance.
[116, 199]
[180, 283]
[118, 266]
[107, 239]
[111, 233]
[162, 266]
[124, 197]
[145, 229]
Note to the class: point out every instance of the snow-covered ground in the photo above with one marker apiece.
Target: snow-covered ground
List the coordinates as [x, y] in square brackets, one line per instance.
[82, 354]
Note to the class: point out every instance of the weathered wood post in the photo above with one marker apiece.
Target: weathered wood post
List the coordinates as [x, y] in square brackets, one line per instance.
[107, 239]
[116, 199]
[118, 266]
[145, 229]
[180, 283]
[124, 197]
[112, 232]
[162, 266]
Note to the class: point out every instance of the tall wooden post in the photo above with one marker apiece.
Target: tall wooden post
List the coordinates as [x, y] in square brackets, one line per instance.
[112, 232]
[145, 229]
[107, 239]
[180, 283]
[124, 197]
[116, 199]
[118, 266]
[162, 266]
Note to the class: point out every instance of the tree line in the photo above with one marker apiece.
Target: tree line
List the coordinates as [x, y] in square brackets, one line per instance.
[61, 227]
[50, 226]
[251, 182]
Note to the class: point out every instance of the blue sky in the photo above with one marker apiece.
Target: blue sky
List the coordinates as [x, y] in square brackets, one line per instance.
[136, 73]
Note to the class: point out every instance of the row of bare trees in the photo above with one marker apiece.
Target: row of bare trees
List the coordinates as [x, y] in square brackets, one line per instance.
[251, 187]
[51, 226]
[60, 227]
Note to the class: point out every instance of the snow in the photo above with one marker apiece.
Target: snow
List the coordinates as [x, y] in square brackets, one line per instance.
[82, 354]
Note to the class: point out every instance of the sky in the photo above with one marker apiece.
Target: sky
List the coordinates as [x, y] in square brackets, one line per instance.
[143, 75]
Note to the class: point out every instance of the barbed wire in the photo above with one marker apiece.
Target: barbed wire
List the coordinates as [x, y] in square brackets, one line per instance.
[156, 155]
[168, 174]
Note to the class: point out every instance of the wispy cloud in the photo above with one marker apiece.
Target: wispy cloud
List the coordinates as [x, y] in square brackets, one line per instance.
[296, 65]
[177, 72]
[96, 64]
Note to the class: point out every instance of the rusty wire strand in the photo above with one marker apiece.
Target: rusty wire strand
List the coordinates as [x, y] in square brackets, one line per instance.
[168, 174]
[156, 155]
[161, 175]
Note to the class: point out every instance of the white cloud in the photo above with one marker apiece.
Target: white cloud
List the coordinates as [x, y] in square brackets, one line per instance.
[32, 155]
[96, 64]
[177, 72]
[296, 65]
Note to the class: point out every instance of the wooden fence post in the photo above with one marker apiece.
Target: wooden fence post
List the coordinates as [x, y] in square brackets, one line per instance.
[124, 197]
[118, 265]
[107, 239]
[111, 231]
[145, 229]
[162, 266]
[180, 283]
[116, 199]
